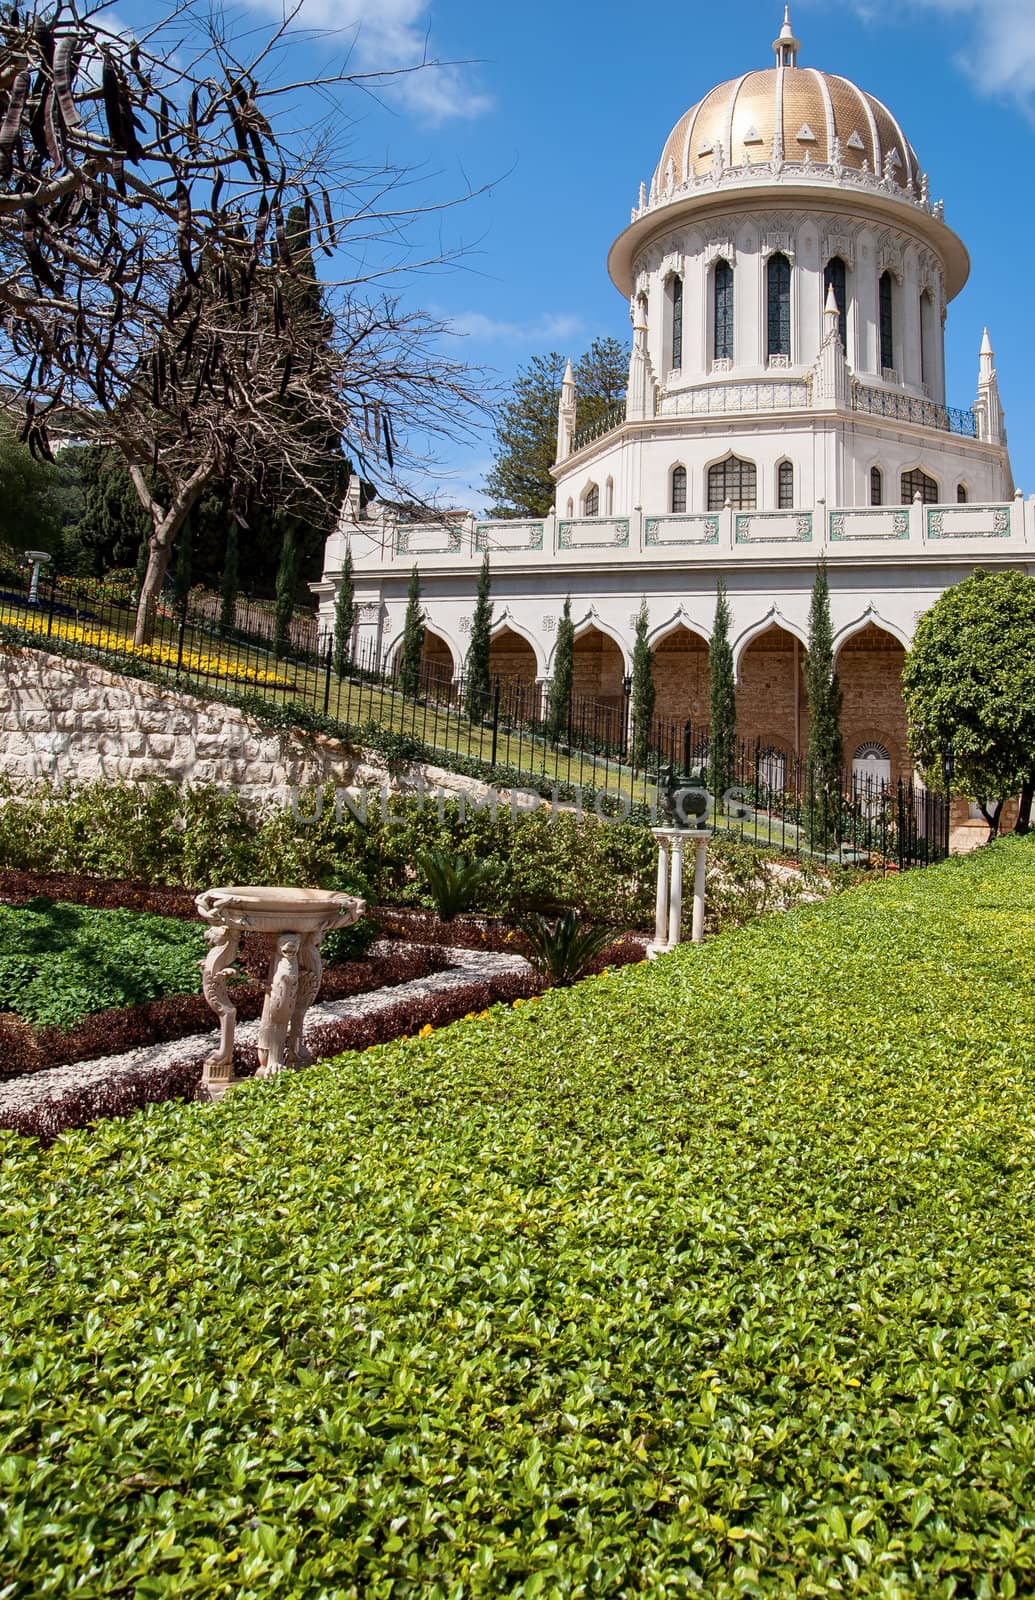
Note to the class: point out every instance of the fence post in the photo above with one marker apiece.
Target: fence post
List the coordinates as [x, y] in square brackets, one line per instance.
[179, 642]
[687, 741]
[327, 678]
[901, 826]
[495, 718]
[50, 609]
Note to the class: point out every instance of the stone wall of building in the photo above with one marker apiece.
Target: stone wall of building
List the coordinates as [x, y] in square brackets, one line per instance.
[65, 721]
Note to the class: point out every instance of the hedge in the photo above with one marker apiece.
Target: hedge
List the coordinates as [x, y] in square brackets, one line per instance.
[708, 1277]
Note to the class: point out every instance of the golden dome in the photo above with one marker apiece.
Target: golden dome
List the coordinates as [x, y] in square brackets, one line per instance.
[793, 114]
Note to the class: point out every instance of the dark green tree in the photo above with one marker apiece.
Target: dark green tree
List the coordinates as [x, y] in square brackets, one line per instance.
[825, 753]
[287, 585]
[412, 640]
[344, 617]
[722, 734]
[643, 691]
[479, 684]
[969, 685]
[182, 567]
[526, 429]
[39, 500]
[230, 580]
[558, 700]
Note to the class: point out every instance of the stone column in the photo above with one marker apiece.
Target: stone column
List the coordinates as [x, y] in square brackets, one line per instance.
[675, 895]
[661, 904]
[700, 870]
[669, 905]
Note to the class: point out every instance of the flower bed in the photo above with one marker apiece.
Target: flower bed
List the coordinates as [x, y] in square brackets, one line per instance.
[200, 662]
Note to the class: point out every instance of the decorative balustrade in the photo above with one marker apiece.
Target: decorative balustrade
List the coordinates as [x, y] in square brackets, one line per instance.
[835, 173]
[604, 424]
[732, 398]
[911, 408]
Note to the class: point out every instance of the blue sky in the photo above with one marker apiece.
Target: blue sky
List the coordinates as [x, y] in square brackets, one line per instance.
[562, 109]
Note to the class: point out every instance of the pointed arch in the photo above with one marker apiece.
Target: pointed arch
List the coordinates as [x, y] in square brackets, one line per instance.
[591, 622]
[731, 477]
[869, 618]
[439, 648]
[677, 620]
[774, 618]
[506, 624]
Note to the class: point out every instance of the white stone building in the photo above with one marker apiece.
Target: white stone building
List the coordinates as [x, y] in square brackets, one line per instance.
[788, 277]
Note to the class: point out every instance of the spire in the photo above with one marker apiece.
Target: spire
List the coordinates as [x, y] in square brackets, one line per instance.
[832, 309]
[831, 380]
[787, 46]
[988, 409]
[642, 389]
[566, 414]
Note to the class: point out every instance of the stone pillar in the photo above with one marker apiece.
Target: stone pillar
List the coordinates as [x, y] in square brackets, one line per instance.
[669, 906]
[700, 870]
[675, 893]
[661, 904]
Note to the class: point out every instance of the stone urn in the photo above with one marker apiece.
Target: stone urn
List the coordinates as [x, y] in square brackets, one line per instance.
[292, 922]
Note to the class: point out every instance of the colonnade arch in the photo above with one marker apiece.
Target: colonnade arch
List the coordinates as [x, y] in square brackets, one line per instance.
[869, 664]
[682, 687]
[512, 658]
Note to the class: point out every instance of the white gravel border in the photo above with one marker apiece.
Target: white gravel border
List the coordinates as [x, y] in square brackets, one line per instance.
[51, 1086]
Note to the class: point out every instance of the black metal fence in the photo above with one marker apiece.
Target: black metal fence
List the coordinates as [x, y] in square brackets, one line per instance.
[593, 756]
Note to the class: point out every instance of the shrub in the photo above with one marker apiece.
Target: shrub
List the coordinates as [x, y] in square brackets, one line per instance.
[455, 882]
[561, 951]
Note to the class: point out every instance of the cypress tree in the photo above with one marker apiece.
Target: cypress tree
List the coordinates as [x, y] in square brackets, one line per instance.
[722, 738]
[344, 617]
[287, 583]
[413, 639]
[479, 686]
[826, 755]
[558, 702]
[643, 692]
[230, 579]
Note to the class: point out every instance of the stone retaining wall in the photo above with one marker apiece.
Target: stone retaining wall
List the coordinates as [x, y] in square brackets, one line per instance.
[64, 721]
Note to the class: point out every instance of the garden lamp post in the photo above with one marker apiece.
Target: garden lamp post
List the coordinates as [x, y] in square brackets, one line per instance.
[36, 559]
[948, 768]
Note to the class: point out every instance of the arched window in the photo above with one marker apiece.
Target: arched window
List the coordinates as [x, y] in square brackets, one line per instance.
[887, 321]
[785, 486]
[778, 306]
[917, 482]
[876, 487]
[836, 278]
[678, 489]
[591, 502]
[677, 322]
[723, 304]
[961, 494]
[733, 480]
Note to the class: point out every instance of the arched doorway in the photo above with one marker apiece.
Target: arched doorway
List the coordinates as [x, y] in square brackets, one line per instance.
[511, 658]
[771, 704]
[436, 662]
[682, 688]
[599, 668]
[873, 714]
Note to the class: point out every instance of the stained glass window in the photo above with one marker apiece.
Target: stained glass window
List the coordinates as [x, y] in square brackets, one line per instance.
[778, 300]
[834, 276]
[915, 481]
[678, 489]
[723, 311]
[732, 480]
[785, 486]
[677, 322]
[887, 321]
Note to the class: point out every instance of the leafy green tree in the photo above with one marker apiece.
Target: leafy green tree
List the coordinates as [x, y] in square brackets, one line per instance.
[230, 580]
[526, 430]
[479, 684]
[413, 639]
[39, 500]
[826, 752]
[722, 734]
[643, 691]
[969, 686]
[558, 700]
[344, 617]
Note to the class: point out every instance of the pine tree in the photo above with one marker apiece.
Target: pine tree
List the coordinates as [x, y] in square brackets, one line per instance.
[479, 685]
[287, 584]
[643, 692]
[558, 703]
[722, 738]
[413, 639]
[344, 617]
[230, 579]
[826, 755]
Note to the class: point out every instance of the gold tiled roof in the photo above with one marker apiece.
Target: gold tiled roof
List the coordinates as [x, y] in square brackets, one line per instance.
[779, 114]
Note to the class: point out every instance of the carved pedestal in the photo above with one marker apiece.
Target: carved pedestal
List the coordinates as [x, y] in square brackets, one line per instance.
[293, 922]
[668, 922]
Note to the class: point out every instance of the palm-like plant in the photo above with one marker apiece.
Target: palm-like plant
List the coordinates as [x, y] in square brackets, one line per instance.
[561, 951]
[455, 882]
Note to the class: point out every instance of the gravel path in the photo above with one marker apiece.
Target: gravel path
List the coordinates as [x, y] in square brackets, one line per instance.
[51, 1086]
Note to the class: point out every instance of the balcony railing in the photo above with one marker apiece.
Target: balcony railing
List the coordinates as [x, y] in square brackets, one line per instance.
[606, 423]
[910, 408]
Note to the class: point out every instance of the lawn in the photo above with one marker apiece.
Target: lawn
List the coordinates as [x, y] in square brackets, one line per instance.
[712, 1276]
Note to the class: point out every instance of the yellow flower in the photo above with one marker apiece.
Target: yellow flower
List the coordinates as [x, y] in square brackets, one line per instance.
[426, 1031]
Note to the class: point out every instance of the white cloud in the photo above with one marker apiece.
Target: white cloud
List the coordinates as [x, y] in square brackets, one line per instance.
[994, 40]
[392, 36]
[475, 325]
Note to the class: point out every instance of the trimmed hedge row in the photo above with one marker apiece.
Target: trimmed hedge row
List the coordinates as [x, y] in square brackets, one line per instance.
[711, 1277]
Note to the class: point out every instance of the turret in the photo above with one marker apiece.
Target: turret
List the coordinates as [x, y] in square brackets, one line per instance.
[642, 389]
[787, 46]
[566, 414]
[988, 410]
[830, 375]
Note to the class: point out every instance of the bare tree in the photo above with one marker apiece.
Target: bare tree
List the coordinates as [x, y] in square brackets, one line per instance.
[157, 215]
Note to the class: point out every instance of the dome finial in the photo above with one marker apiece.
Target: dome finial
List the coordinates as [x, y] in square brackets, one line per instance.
[786, 46]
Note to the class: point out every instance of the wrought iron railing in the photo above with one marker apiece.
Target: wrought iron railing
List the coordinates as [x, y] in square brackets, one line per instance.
[607, 422]
[911, 408]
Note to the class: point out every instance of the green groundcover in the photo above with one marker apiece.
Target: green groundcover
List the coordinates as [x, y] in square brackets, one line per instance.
[712, 1277]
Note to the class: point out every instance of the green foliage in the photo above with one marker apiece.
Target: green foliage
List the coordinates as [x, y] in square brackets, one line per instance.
[39, 500]
[60, 963]
[969, 684]
[722, 732]
[826, 755]
[526, 430]
[413, 638]
[561, 951]
[455, 882]
[643, 693]
[558, 702]
[708, 1277]
[479, 686]
[344, 617]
